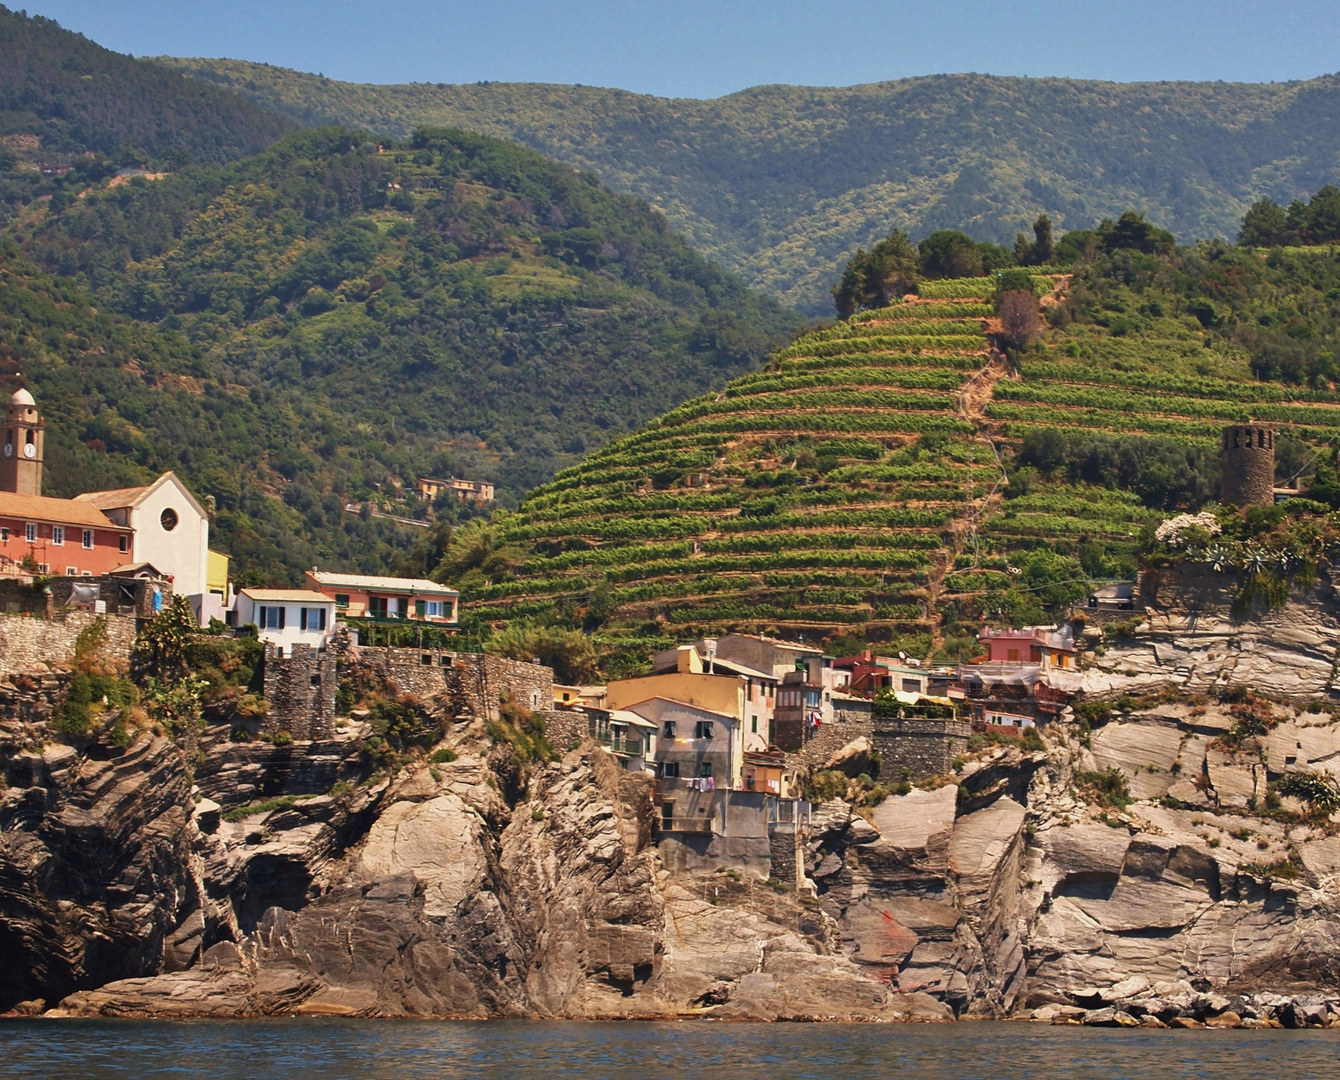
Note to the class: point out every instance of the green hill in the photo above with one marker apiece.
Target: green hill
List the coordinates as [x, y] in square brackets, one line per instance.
[895, 479]
[454, 304]
[66, 103]
[783, 183]
[124, 402]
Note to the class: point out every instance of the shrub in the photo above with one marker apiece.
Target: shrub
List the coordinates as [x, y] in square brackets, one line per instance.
[1106, 788]
[444, 756]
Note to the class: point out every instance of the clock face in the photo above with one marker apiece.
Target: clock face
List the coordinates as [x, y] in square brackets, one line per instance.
[30, 450]
[9, 449]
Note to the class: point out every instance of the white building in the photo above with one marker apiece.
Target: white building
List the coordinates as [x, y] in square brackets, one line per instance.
[171, 529]
[287, 617]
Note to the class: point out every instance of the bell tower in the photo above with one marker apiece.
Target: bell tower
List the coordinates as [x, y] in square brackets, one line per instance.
[23, 435]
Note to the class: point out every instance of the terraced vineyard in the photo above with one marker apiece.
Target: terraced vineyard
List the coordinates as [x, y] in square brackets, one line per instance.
[855, 486]
[819, 497]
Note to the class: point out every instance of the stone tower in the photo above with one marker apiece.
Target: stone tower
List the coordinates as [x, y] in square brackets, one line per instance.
[24, 435]
[1248, 454]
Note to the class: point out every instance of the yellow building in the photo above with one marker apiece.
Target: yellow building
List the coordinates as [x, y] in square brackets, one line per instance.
[716, 693]
[216, 573]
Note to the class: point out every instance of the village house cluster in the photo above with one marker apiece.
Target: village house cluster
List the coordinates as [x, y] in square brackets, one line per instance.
[723, 721]
[723, 725]
[156, 537]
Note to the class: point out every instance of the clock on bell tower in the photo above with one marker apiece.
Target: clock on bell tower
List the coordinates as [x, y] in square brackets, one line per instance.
[21, 454]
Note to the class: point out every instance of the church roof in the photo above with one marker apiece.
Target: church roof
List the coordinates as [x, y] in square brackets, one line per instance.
[22, 397]
[54, 511]
[119, 498]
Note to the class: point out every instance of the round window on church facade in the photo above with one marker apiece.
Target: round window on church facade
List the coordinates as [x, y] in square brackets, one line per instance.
[168, 519]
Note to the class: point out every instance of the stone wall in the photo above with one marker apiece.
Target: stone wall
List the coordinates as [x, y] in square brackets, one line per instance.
[464, 684]
[123, 596]
[830, 738]
[918, 748]
[564, 728]
[300, 690]
[32, 643]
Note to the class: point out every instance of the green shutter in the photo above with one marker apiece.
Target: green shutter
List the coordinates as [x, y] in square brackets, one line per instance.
[420, 607]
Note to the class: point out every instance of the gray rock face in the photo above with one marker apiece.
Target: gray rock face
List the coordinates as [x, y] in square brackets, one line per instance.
[94, 866]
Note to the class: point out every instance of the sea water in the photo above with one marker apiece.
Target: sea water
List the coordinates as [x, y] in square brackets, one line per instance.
[323, 1049]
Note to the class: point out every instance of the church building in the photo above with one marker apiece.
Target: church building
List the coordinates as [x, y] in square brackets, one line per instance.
[100, 531]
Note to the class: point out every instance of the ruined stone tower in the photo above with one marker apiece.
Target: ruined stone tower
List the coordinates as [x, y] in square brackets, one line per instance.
[1248, 454]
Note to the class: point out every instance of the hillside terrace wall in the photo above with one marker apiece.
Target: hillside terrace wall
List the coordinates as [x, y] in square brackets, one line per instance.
[465, 684]
[34, 643]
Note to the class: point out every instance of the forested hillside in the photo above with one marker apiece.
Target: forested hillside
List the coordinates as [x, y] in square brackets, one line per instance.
[123, 402]
[455, 303]
[783, 183]
[72, 112]
[941, 457]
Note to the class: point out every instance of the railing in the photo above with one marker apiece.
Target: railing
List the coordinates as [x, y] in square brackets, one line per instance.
[687, 824]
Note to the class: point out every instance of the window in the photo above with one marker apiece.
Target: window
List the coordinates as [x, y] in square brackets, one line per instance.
[434, 609]
[753, 724]
[702, 729]
[124, 544]
[911, 686]
[341, 600]
[270, 618]
[312, 618]
[1012, 654]
[30, 533]
[86, 573]
[667, 814]
[88, 538]
[72, 571]
[668, 730]
[4, 534]
[670, 770]
[704, 768]
[377, 607]
[58, 535]
[168, 519]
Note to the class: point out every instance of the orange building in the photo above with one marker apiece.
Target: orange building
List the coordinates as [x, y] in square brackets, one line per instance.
[359, 596]
[63, 536]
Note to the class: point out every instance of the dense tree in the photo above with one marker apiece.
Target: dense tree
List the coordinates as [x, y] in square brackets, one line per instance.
[1132, 232]
[950, 254]
[1264, 225]
[878, 277]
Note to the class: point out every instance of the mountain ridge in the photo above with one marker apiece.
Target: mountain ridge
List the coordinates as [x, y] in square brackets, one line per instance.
[783, 183]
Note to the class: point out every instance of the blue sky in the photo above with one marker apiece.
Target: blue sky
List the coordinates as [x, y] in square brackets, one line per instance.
[695, 48]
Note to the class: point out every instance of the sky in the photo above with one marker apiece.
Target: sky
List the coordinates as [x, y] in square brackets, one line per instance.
[706, 48]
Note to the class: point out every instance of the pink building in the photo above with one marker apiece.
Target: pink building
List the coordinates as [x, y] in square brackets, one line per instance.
[1045, 645]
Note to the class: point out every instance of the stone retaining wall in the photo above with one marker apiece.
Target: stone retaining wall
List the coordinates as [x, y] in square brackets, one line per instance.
[918, 748]
[465, 684]
[830, 738]
[32, 643]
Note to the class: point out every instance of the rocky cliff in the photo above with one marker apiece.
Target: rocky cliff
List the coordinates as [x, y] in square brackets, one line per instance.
[319, 878]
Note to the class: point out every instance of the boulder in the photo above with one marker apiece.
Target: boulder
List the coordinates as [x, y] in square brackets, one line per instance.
[439, 842]
[853, 759]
